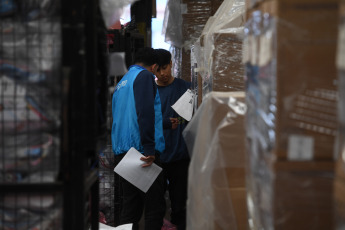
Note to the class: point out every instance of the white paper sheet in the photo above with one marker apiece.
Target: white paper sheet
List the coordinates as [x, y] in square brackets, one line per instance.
[130, 168]
[121, 227]
[184, 105]
[300, 148]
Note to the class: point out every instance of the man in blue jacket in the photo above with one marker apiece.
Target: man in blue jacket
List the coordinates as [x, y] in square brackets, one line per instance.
[137, 122]
[175, 159]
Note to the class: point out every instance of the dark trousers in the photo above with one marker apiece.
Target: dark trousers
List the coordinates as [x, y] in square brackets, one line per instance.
[176, 174]
[135, 202]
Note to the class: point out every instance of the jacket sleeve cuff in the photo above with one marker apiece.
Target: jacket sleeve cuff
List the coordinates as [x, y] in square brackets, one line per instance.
[149, 150]
[166, 123]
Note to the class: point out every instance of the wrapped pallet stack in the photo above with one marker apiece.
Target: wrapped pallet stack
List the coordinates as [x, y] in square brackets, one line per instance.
[197, 13]
[291, 122]
[216, 134]
[339, 182]
[215, 139]
[217, 55]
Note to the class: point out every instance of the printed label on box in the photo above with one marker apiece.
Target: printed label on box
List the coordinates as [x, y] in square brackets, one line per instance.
[265, 54]
[300, 148]
[341, 48]
[245, 50]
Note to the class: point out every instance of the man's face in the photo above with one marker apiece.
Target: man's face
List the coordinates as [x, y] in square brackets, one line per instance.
[163, 73]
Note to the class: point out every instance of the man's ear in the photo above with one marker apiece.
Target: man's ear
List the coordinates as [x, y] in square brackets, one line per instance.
[154, 68]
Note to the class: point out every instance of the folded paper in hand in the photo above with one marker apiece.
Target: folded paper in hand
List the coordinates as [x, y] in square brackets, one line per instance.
[121, 227]
[130, 168]
[184, 105]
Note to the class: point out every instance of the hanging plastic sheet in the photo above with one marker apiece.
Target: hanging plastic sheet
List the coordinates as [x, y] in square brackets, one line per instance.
[112, 10]
[172, 23]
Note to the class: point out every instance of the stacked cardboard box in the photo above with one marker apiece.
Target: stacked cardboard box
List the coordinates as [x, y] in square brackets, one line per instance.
[339, 183]
[227, 69]
[194, 20]
[292, 111]
[218, 164]
[339, 191]
[220, 44]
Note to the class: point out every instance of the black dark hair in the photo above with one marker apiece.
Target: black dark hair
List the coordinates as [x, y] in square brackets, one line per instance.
[163, 57]
[146, 55]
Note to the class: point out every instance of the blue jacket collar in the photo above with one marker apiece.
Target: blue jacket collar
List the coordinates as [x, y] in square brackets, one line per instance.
[137, 66]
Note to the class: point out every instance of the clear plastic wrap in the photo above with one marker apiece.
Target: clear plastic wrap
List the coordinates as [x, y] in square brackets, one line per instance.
[223, 48]
[216, 141]
[220, 53]
[198, 70]
[290, 91]
[172, 23]
[291, 123]
[226, 67]
[192, 17]
[339, 184]
[112, 10]
[176, 54]
[250, 4]
[229, 15]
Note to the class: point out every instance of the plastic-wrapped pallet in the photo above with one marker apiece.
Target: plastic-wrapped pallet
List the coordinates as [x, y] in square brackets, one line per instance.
[291, 119]
[215, 138]
[183, 24]
[339, 183]
[220, 47]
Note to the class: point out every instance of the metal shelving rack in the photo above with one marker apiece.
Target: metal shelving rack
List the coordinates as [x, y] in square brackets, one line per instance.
[69, 109]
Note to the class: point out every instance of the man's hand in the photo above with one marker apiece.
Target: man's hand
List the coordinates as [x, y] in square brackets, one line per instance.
[174, 123]
[148, 160]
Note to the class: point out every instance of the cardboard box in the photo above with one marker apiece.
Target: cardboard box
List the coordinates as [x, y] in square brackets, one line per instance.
[306, 98]
[304, 19]
[340, 168]
[199, 7]
[192, 26]
[218, 165]
[186, 71]
[230, 149]
[299, 81]
[342, 8]
[297, 195]
[239, 204]
[304, 102]
[227, 69]
[339, 201]
[341, 87]
[215, 5]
